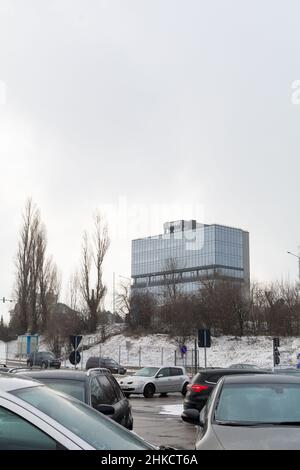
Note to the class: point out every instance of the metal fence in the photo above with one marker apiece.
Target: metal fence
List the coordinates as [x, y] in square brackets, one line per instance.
[142, 356]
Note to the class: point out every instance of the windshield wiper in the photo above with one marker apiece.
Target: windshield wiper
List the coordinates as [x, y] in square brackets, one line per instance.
[287, 423]
[236, 423]
[257, 423]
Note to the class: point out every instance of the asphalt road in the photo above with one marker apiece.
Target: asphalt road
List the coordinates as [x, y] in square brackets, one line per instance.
[152, 420]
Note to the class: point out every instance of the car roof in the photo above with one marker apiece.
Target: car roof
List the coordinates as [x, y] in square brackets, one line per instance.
[9, 382]
[230, 370]
[72, 374]
[99, 358]
[261, 378]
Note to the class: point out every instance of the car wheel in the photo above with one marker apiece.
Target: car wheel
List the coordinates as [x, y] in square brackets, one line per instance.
[127, 395]
[184, 389]
[149, 391]
[44, 365]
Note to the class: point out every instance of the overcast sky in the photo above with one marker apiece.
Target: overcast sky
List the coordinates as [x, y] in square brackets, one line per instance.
[150, 110]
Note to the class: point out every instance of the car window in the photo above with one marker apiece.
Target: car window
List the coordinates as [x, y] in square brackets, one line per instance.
[165, 372]
[75, 388]
[99, 394]
[213, 378]
[111, 361]
[116, 388]
[94, 428]
[108, 389]
[176, 371]
[102, 392]
[18, 434]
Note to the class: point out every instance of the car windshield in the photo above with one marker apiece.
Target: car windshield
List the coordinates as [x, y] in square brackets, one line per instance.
[88, 424]
[147, 371]
[75, 388]
[48, 355]
[258, 403]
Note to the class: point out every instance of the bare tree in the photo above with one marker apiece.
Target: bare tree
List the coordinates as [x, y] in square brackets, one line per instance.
[124, 299]
[172, 290]
[25, 264]
[93, 253]
[74, 291]
[36, 276]
[49, 288]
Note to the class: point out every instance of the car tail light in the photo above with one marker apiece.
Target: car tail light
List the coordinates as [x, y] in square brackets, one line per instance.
[197, 388]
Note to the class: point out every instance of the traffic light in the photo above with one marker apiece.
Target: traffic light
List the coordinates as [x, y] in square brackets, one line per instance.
[276, 356]
[276, 353]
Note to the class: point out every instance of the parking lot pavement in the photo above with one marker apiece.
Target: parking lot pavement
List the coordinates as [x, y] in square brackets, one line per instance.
[158, 421]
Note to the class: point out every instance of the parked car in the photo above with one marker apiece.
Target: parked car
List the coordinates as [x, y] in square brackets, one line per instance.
[106, 362]
[151, 380]
[4, 368]
[250, 412]
[97, 388]
[36, 417]
[43, 359]
[204, 382]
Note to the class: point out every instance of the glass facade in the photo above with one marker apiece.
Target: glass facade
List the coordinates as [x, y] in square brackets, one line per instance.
[188, 255]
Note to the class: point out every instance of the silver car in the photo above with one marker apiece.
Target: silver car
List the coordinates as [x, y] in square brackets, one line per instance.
[250, 412]
[151, 380]
[35, 417]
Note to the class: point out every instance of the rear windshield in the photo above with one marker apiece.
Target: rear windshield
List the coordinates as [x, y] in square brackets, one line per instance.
[75, 388]
[259, 403]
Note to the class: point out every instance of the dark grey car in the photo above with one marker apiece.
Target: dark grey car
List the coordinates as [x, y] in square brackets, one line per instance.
[250, 412]
[97, 388]
[107, 362]
[43, 359]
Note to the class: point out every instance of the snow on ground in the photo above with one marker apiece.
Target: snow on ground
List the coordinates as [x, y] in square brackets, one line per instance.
[159, 349]
[173, 410]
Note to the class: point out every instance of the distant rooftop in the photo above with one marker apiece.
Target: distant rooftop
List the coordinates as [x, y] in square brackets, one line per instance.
[182, 225]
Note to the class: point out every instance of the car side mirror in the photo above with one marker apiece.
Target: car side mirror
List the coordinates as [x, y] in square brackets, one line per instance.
[105, 409]
[159, 376]
[192, 416]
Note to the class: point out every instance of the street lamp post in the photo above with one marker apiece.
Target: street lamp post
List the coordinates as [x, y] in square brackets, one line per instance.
[297, 256]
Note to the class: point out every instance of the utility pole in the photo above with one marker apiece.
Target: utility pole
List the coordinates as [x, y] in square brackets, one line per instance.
[114, 293]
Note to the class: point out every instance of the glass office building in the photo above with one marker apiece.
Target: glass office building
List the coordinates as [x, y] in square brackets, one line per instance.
[188, 252]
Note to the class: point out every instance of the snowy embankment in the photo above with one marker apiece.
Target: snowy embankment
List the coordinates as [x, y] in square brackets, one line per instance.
[160, 349]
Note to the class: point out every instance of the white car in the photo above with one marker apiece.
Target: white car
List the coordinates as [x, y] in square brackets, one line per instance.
[35, 417]
[151, 380]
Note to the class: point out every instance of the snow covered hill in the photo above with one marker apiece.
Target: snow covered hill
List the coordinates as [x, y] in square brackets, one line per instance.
[161, 350]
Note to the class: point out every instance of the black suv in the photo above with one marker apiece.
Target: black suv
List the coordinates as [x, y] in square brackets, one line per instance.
[204, 382]
[43, 359]
[97, 388]
[106, 362]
